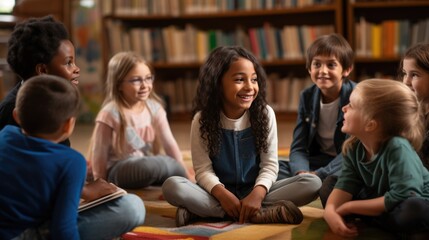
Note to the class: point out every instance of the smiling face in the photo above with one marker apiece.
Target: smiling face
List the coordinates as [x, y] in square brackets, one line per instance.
[327, 73]
[416, 78]
[137, 86]
[240, 88]
[354, 123]
[63, 63]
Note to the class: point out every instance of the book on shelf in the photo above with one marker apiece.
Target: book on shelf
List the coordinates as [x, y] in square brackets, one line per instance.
[113, 193]
[389, 38]
[184, 7]
[172, 43]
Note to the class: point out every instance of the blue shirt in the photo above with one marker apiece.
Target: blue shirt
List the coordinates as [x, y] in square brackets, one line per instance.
[40, 181]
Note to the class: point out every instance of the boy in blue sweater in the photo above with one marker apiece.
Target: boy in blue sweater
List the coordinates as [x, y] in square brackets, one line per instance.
[40, 180]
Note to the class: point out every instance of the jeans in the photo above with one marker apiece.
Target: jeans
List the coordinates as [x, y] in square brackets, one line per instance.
[142, 172]
[180, 192]
[105, 221]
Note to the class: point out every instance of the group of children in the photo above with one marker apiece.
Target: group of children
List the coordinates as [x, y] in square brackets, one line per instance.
[360, 147]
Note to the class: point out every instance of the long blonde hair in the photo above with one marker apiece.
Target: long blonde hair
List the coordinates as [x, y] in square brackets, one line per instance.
[395, 106]
[118, 68]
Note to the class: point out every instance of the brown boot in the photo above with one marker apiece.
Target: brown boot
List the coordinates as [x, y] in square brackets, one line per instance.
[279, 212]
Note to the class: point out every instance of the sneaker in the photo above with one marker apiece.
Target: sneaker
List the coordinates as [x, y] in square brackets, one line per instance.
[279, 212]
[184, 217]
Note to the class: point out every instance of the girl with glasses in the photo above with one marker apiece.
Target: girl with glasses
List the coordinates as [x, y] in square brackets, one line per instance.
[130, 124]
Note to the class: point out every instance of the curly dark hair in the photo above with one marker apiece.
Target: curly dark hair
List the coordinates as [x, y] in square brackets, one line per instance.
[209, 98]
[34, 41]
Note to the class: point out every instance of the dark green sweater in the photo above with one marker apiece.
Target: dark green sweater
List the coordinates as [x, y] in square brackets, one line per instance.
[395, 172]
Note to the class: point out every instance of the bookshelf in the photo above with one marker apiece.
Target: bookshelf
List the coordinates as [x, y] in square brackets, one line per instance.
[175, 37]
[381, 31]
[7, 78]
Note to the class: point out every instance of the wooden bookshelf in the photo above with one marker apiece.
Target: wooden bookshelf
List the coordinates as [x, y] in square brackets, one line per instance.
[408, 19]
[307, 21]
[7, 78]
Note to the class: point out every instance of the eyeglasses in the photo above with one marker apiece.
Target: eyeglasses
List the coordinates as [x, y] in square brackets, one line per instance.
[139, 81]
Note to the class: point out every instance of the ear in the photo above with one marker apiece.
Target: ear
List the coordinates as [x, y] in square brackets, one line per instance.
[15, 116]
[41, 69]
[371, 125]
[347, 71]
[68, 126]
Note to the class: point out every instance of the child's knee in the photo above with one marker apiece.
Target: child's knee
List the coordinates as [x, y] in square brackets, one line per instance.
[311, 181]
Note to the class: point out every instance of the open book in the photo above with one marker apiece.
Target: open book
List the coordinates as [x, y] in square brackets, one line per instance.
[83, 205]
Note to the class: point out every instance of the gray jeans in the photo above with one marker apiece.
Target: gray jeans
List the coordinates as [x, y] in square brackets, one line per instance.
[144, 171]
[178, 191]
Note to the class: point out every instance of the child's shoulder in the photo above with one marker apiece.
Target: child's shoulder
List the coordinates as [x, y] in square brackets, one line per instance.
[270, 110]
[153, 105]
[349, 82]
[398, 142]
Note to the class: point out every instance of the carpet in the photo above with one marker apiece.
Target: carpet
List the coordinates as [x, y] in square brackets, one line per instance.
[160, 223]
[194, 231]
[225, 230]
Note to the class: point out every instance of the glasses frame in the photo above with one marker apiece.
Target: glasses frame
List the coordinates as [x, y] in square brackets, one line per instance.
[139, 81]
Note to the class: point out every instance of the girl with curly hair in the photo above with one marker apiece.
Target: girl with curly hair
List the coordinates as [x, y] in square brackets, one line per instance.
[234, 150]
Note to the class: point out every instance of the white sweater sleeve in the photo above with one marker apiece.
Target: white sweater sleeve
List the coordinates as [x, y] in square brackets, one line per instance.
[269, 165]
[204, 174]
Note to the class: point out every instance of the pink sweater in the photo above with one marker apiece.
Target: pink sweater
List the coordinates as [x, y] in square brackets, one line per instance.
[141, 131]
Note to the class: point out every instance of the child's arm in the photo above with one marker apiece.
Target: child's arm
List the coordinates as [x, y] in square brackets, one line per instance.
[334, 219]
[370, 207]
[102, 140]
[69, 186]
[252, 203]
[170, 145]
[229, 202]
[299, 154]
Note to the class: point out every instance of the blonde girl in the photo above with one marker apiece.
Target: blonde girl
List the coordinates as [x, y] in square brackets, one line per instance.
[383, 180]
[129, 124]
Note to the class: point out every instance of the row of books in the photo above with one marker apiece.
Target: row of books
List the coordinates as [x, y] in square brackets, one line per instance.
[282, 92]
[183, 7]
[390, 38]
[189, 44]
[353, 1]
[7, 79]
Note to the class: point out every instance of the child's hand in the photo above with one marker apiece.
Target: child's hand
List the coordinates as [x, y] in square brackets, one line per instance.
[96, 189]
[252, 203]
[338, 225]
[229, 202]
[191, 175]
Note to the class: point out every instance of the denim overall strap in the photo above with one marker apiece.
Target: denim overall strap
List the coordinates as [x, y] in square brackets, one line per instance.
[237, 164]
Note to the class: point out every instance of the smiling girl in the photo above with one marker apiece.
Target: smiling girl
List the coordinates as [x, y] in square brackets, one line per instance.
[131, 120]
[234, 150]
[414, 72]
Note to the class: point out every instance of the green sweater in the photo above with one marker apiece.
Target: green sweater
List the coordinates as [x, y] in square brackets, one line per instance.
[395, 172]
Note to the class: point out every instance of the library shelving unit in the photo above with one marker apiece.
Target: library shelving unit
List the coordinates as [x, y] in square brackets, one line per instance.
[176, 36]
[7, 78]
[381, 31]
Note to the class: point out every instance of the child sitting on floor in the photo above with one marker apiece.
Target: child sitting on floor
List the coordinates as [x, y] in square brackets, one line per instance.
[234, 150]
